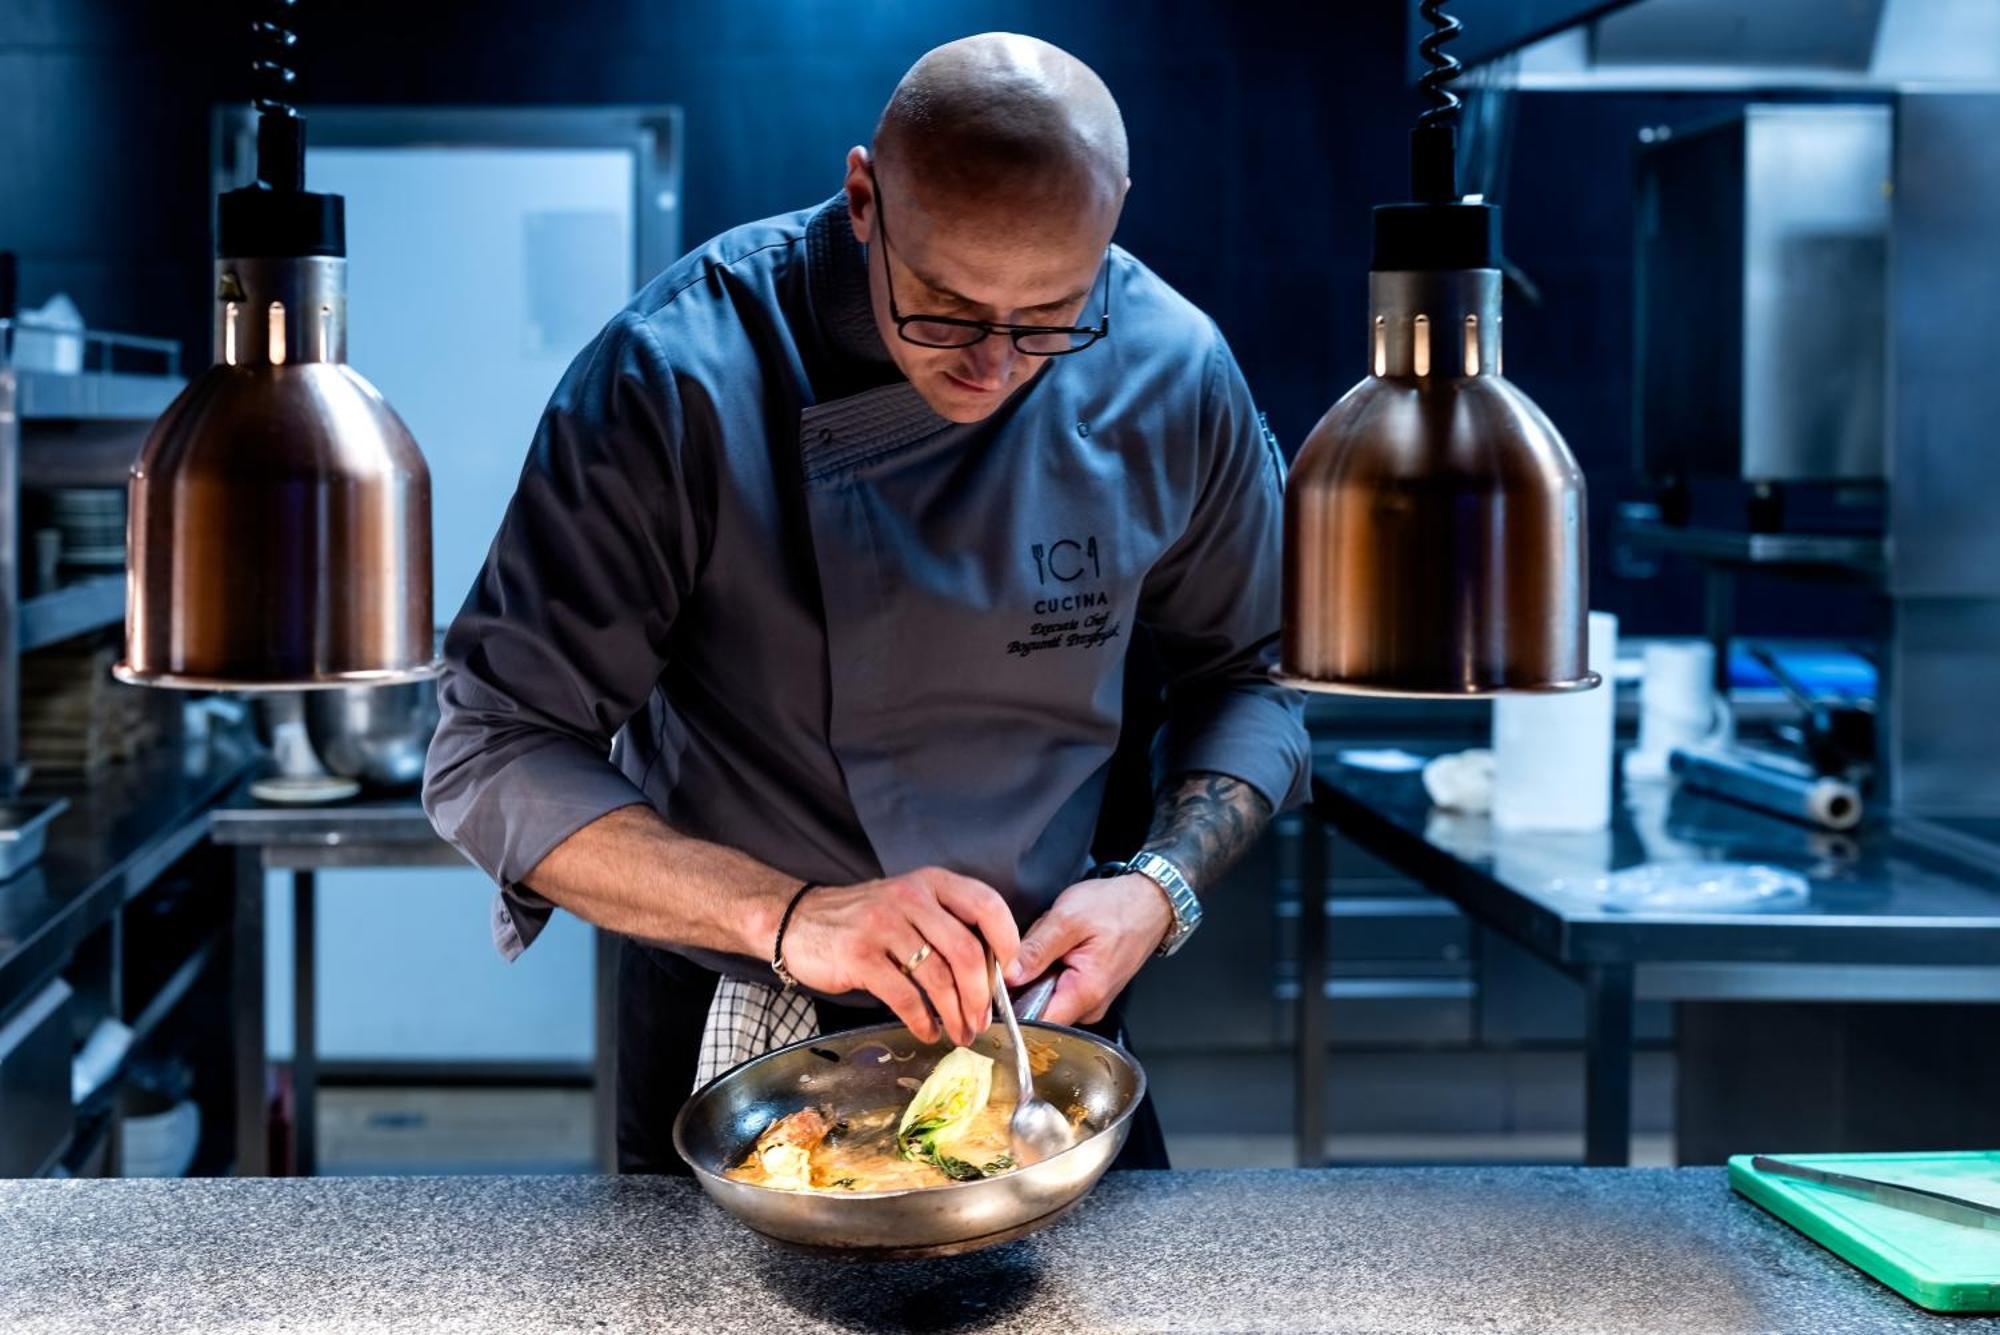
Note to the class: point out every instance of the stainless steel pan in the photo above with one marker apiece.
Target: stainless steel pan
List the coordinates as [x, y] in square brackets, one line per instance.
[858, 1071]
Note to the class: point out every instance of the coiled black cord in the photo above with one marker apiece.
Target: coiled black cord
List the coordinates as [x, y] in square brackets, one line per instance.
[1435, 84]
[281, 163]
[1434, 143]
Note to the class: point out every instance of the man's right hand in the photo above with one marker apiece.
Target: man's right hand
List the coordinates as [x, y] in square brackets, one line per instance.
[858, 938]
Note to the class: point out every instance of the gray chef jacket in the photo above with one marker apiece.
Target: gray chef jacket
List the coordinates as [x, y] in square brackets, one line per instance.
[750, 578]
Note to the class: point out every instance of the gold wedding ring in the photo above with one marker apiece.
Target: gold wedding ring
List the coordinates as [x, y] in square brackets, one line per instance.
[923, 953]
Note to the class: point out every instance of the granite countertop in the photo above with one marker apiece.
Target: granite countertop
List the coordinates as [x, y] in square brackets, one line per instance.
[1361, 1249]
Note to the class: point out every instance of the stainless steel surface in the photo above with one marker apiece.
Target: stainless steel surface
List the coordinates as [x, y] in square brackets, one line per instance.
[1435, 540]
[1889, 917]
[377, 734]
[34, 1082]
[1762, 278]
[1943, 730]
[1720, 47]
[1037, 1131]
[368, 832]
[280, 511]
[858, 1070]
[10, 584]
[1861, 554]
[24, 827]
[1893, 1195]
[70, 610]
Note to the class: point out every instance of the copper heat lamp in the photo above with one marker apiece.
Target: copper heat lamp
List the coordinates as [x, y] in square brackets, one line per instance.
[1435, 542]
[280, 515]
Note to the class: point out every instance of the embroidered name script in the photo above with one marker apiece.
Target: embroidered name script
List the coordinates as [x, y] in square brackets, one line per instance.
[1073, 611]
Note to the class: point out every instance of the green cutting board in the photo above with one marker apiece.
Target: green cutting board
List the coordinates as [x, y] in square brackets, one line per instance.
[1944, 1266]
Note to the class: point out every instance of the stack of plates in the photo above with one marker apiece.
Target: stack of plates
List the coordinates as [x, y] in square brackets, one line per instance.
[76, 719]
[92, 523]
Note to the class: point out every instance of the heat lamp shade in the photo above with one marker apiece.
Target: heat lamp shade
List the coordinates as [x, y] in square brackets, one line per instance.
[280, 536]
[1435, 544]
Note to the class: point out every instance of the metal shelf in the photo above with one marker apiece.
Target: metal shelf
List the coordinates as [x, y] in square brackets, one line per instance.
[50, 396]
[1856, 553]
[73, 609]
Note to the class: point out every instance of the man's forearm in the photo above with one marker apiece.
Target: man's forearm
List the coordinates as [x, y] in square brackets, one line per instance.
[1203, 822]
[630, 872]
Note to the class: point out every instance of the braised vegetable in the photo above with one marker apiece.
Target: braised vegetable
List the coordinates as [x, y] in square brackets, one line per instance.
[941, 1114]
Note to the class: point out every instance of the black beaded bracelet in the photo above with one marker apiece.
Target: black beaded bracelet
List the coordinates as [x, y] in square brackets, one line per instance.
[778, 945]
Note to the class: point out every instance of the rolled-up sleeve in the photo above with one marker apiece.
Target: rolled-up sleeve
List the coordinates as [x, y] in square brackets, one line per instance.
[1212, 605]
[564, 634]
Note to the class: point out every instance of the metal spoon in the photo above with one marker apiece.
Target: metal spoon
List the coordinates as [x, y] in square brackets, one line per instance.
[1038, 1130]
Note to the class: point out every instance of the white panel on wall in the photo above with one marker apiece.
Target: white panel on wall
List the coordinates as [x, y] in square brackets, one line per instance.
[475, 276]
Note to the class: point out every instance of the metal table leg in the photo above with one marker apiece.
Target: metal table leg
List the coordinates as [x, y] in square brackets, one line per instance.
[605, 947]
[1310, 1074]
[305, 1045]
[1607, 1066]
[246, 985]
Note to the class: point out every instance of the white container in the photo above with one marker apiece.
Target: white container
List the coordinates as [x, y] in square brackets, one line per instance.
[1552, 753]
[1678, 706]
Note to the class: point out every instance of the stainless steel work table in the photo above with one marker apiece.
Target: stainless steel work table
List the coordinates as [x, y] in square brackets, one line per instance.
[1890, 918]
[378, 832]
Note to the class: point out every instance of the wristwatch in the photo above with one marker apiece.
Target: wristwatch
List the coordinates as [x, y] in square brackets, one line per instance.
[1180, 895]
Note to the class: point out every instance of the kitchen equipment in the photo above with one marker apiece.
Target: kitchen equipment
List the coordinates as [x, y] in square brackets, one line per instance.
[1678, 705]
[1917, 1200]
[91, 521]
[1935, 1263]
[159, 1124]
[77, 720]
[1037, 1130]
[377, 734]
[35, 1111]
[24, 829]
[1552, 753]
[1771, 782]
[1762, 296]
[301, 779]
[1435, 542]
[1837, 736]
[859, 1070]
[280, 511]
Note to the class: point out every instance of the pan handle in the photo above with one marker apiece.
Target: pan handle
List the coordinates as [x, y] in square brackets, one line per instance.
[1032, 1000]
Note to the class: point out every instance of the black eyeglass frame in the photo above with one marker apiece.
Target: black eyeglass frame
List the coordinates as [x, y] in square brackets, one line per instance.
[987, 328]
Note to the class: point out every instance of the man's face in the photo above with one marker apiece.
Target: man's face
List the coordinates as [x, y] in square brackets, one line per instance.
[1039, 266]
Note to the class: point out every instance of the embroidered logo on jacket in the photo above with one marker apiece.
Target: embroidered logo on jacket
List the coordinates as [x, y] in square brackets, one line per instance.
[1059, 566]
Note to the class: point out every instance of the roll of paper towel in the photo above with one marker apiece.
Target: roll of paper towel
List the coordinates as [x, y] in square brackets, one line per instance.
[1552, 753]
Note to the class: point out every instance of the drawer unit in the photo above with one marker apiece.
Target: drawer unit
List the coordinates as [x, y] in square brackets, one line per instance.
[34, 1082]
[1376, 1010]
[1396, 927]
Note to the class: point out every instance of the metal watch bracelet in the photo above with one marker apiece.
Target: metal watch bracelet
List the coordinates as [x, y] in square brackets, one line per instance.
[1180, 894]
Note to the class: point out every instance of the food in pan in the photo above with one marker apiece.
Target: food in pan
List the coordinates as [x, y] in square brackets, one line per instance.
[941, 1123]
[952, 1130]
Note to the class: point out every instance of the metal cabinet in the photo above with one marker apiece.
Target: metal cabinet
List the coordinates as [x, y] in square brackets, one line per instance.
[35, 1082]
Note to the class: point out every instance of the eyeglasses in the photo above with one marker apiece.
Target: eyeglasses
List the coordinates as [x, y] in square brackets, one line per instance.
[946, 331]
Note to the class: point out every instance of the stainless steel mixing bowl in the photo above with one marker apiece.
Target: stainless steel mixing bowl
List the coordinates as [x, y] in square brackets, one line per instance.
[377, 734]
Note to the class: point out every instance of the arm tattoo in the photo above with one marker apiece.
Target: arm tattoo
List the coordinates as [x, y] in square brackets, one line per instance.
[1203, 823]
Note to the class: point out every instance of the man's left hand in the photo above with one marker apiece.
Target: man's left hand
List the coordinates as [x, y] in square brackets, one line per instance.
[1101, 932]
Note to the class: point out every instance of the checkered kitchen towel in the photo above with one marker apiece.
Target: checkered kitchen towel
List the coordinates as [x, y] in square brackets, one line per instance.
[747, 1020]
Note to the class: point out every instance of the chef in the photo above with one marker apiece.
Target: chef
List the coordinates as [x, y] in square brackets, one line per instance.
[797, 659]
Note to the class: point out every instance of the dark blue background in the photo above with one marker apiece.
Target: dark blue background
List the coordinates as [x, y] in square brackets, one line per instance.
[1261, 135]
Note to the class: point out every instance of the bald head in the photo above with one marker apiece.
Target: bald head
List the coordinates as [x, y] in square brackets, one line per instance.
[993, 190]
[1002, 117]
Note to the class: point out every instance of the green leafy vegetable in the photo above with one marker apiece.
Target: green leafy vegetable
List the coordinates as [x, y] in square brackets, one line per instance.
[942, 1112]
